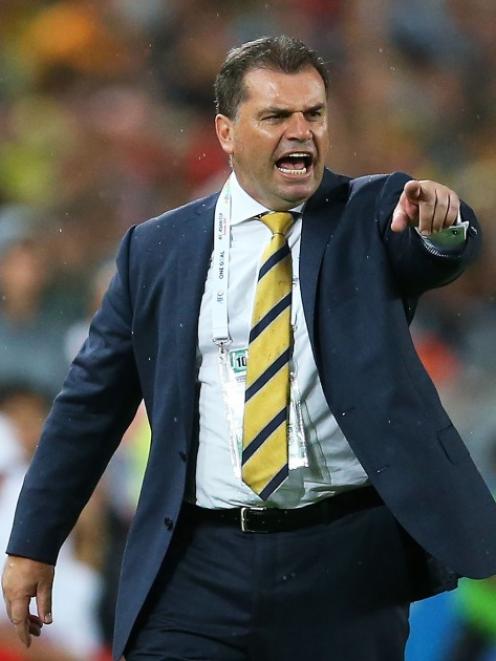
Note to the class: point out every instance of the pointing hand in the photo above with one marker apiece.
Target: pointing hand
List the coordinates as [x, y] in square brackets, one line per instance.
[427, 205]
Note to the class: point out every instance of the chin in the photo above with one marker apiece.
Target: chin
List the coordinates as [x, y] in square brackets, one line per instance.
[298, 193]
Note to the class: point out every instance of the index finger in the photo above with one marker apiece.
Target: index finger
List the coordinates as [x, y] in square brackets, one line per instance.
[19, 616]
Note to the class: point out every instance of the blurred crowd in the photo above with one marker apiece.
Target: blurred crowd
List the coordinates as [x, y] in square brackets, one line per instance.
[106, 110]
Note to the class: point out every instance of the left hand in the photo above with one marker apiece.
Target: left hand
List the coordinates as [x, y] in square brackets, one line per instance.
[426, 204]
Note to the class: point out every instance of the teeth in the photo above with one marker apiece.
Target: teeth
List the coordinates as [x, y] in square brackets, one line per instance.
[299, 172]
[299, 154]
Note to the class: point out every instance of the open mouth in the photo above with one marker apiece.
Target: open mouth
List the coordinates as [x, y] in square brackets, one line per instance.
[296, 163]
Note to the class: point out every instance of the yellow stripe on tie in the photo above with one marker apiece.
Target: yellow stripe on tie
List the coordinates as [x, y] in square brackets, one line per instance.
[262, 351]
[273, 396]
[270, 290]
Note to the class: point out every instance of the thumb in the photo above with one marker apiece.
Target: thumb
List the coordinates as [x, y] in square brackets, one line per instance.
[44, 601]
[400, 220]
[407, 209]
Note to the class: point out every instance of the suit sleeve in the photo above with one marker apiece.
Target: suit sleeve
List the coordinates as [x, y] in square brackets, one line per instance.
[96, 405]
[417, 264]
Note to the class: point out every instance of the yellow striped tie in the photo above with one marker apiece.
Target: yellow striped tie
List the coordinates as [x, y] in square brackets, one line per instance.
[265, 423]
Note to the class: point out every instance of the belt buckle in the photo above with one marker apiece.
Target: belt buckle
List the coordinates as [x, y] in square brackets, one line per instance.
[244, 516]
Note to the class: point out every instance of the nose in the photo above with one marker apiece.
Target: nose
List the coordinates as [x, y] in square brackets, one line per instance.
[298, 127]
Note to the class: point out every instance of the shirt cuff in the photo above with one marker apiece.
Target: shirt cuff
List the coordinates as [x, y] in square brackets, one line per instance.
[448, 240]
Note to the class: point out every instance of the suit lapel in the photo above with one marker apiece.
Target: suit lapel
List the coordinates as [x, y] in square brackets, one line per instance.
[193, 257]
[320, 220]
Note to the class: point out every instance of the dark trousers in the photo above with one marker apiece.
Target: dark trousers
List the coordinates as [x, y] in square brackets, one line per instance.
[338, 591]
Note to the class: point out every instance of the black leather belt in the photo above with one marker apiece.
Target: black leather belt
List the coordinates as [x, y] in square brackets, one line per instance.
[264, 519]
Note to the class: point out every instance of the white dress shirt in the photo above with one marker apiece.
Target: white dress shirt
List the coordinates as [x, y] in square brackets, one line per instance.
[332, 465]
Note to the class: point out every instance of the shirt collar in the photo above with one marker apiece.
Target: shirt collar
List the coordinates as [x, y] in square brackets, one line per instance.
[243, 206]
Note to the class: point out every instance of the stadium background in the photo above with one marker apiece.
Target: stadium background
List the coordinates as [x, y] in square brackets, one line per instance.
[106, 119]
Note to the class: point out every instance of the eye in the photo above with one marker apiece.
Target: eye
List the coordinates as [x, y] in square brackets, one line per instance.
[316, 113]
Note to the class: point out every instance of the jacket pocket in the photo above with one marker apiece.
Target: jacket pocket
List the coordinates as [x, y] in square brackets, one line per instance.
[453, 446]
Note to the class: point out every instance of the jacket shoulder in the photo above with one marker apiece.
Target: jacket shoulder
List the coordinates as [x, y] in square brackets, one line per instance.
[384, 183]
[169, 220]
[387, 184]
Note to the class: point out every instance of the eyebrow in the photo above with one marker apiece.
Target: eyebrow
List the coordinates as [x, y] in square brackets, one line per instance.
[282, 110]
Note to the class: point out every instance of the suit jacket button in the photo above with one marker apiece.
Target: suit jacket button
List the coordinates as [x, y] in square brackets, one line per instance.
[168, 523]
[182, 455]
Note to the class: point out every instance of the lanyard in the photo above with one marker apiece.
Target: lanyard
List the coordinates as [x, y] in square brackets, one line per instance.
[222, 244]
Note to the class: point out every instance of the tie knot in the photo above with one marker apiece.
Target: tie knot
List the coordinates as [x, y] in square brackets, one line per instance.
[278, 222]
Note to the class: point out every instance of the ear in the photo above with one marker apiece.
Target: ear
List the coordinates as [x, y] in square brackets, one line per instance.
[224, 129]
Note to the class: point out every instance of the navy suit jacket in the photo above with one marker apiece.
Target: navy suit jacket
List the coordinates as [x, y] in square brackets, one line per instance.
[359, 285]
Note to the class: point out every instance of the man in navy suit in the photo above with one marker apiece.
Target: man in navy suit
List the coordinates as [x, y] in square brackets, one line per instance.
[381, 504]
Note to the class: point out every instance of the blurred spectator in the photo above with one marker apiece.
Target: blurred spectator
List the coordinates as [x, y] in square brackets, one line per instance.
[74, 633]
[30, 339]
[476, 606]
[476, 637]
[77, 332]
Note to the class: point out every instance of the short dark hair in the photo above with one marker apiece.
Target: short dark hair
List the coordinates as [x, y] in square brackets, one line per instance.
[282, 53]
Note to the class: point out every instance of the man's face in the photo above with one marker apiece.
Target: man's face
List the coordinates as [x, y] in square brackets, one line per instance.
[278, 141]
